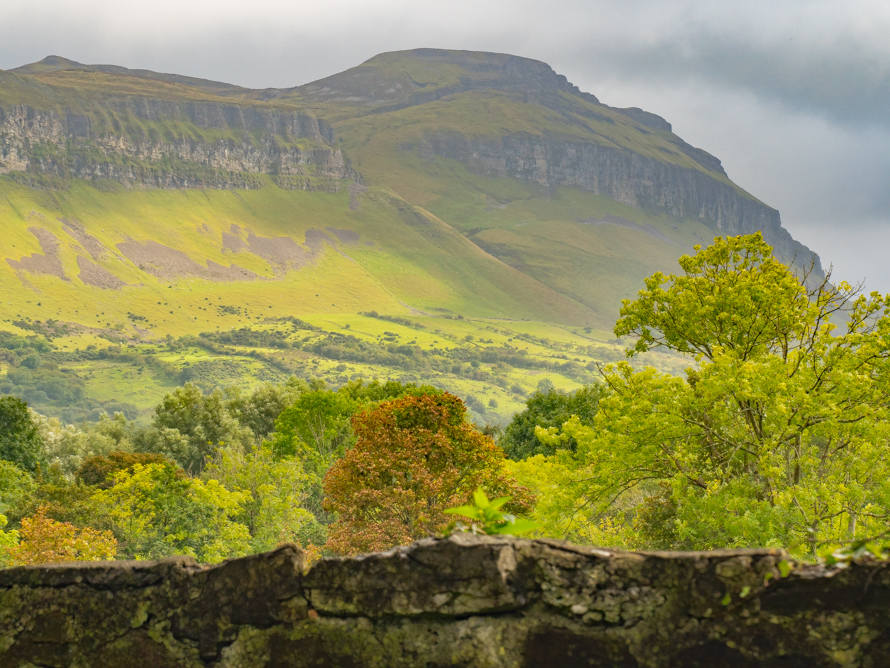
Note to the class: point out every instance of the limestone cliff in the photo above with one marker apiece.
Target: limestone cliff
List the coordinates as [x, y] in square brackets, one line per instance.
[145, 141]
[465, 601]
[500, 115]
[630, 178]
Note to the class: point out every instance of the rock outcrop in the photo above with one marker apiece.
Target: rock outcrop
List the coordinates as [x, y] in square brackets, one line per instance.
[144, 142]
[464, 601]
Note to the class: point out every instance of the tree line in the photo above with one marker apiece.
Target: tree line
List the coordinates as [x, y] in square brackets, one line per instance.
[228, 473]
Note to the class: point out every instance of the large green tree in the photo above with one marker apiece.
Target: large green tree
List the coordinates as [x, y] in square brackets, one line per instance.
[190, 427]
[777, 435]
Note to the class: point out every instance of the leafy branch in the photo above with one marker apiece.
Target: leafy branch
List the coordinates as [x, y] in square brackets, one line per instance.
[486, 518]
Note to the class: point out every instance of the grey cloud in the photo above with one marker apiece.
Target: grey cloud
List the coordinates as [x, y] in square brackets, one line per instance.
[846, 82]
[815, 57]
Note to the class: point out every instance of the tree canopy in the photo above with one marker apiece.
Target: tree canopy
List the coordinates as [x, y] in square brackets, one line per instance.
[547, 408]
[777, 435]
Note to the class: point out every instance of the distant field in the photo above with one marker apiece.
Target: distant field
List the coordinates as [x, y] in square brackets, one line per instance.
[492, 364]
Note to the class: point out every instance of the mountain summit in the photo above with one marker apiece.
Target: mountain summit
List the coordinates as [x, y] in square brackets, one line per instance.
[406, 78]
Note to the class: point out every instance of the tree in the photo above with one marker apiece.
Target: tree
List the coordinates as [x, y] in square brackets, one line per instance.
[733, 298]
[67, 447]
[99, 471]
[172, 444]
[8, 540]
[156, 511]
[203, 421]
[414, 458]
[276, 491]
[548, 408]
[20, 440]
[15, 486]
[777, 435]
[375, 391]
[46, 541]
[315, 428]
[260, 410]
[56, 494]
[316, 431]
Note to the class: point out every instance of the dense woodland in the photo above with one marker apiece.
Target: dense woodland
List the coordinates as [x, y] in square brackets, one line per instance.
[776, 434]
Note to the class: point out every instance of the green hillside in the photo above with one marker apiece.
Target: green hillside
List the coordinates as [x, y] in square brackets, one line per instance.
[479, 199]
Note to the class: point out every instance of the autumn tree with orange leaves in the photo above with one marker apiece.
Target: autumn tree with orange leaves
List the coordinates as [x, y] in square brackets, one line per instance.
[46, 541]
[415, 457]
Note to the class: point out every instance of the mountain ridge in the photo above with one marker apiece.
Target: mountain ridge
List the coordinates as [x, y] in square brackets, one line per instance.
[60, 63]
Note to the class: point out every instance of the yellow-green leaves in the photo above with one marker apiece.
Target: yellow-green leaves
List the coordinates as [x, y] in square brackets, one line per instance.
[275, 494]
[733, 295]
[776, 437]
[156, 511]
[486, 517]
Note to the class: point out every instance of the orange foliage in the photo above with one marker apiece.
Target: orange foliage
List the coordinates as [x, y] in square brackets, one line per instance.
[46, 541]
[415, 457]
[311, 555]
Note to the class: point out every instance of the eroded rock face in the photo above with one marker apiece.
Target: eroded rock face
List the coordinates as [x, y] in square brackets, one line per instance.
[296, 149]
[467, 601]
[630, 178]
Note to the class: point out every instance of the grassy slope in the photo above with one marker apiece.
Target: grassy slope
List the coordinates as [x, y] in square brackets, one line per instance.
[593, 264]
[422, 262]
[428, 266]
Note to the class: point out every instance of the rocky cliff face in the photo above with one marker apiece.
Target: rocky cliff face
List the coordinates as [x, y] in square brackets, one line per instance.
[605, 162]
[630, 178]
[167, 144]
[465, 601]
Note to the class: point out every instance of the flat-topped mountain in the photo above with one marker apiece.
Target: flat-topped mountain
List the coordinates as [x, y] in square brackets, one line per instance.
[474, 183]
[407, 78]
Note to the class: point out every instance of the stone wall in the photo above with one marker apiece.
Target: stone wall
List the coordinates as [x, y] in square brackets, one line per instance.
[464, 601]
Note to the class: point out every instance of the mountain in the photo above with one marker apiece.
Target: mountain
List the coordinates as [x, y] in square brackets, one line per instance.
[425, 184]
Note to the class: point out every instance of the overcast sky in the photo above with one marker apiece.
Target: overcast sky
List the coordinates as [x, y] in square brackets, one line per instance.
[792, 96]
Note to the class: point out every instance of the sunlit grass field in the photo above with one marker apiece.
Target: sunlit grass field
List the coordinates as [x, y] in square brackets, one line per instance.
[463, 275]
